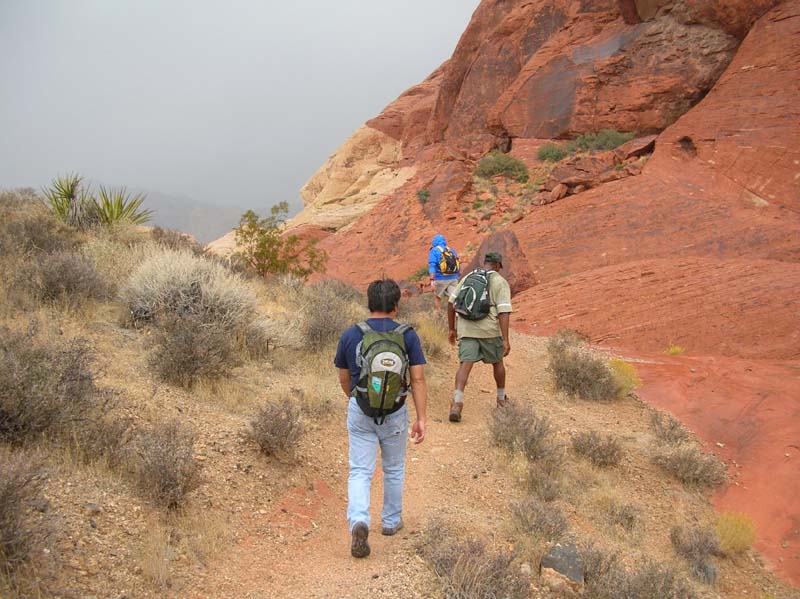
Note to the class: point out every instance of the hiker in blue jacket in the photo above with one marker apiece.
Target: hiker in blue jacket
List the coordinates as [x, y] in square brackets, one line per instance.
[444, 268]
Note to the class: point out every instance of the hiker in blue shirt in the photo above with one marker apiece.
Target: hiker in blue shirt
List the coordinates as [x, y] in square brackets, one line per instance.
[388, 428]
[443, 267]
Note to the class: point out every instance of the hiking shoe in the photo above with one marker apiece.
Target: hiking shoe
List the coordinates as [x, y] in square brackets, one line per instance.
[502, 403]
[392, 530]
[455, 412]
[359, 546]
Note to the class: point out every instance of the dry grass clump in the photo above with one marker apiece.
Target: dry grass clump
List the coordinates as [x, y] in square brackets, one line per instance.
[468, 569]
[21, 533]
[667, 429]
[535, 519]
[47, 388]
[432, 331]
[517, 428]
[696, 546]
[329, 307]
[27, 227]
[187, 349]
[691, 466]
[736, 532]
[601, 451]
[164, 464]
[625, 375]
[115, 260]
[580, 373]
[277, 427]
[64, 277]
[622, 514]
[607, 578]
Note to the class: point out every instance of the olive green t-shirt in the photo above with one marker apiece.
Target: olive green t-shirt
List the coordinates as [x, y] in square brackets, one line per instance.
[500, 298]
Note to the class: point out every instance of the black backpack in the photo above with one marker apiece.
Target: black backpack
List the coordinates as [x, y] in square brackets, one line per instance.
[472, 301]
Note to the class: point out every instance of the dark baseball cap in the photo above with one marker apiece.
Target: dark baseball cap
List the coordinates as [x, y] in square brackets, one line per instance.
[494, 257]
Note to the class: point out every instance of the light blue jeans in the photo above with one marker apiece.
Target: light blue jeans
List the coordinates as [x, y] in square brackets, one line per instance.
[365, 437]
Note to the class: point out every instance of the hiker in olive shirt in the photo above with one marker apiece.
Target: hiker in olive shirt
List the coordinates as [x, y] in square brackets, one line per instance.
[482, 340]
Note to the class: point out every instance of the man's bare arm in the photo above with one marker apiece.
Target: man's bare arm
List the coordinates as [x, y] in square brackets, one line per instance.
[419, 391]
[344, 380]
[503, 320]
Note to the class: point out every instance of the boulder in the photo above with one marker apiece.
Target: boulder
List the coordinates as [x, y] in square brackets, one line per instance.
[516, 269]
[635, 148]
[562, 566]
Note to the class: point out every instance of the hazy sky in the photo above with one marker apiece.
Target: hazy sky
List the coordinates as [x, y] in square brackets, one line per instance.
[233, 103]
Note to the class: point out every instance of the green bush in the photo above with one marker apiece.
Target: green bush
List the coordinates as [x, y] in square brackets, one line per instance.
[605, 139]
[551, 152]
[497, 163]
[423, 195]
[266, 250]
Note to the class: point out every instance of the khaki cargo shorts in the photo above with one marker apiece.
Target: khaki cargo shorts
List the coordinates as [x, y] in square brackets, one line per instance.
[444, 288]
[473, 349]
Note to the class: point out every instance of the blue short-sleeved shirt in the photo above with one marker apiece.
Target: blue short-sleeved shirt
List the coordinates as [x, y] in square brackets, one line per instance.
[346, 351]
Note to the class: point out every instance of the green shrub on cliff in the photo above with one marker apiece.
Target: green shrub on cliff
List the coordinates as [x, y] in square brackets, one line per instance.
[497, 163]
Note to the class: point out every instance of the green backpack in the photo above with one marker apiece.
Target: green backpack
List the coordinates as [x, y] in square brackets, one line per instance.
[472, 301]
[383, 360]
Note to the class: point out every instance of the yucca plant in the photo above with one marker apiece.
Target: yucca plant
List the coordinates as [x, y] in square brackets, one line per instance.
[114, 206]
[70, 201]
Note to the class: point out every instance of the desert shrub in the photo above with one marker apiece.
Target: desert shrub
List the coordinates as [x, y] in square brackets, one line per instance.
[277, 427]
[432, 330]
[328, 309]
[578, 372]
[689, 465]
[20, 532]
[115, 261]
[607, 578]
[165, 467]
[423, 195]
[419, 275]
[26, 227]
[601, 451]
[189, 348]
[518, 428]
[551, 152]
[625, 375]
[667, 429]
[176, 240]
[623, 514]
[696, 546]
[257, 339]
[736, 532]
[468, 569]
[674, 350]
[498, 163]
[178, 283]
[65, 277]
[544, 481]
[605, 139]
[47, 388]
[534, 518]
[266, 250]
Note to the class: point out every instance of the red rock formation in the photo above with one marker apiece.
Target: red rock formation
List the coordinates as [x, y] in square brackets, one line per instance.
[516, 268]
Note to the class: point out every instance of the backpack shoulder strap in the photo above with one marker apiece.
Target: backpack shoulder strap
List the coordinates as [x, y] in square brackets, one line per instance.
[402, 328]
[365, 328]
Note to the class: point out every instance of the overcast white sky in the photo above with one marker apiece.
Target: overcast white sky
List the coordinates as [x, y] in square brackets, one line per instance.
[232, 103]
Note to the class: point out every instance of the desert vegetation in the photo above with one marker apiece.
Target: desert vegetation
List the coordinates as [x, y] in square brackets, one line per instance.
[497, 163]
[605, 139]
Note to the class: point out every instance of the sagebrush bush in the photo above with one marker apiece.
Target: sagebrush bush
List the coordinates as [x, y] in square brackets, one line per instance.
[164, 464]
[550, 152]
[498, 163]
[696, 546]
[178, 283]
[64, 277]
[26, 227]
[607, 578]
[328, 308]
[186, 349]
[578, 372]
[468, 569]
[176, 240]
[278, 427]
[624, 514]
[544, 481]
[691, 466]
[47, 388]
[667, 429]
[736, 532]
[518, 428]
[535, 519]
[601, 451]
[20, 532]
[116, 260]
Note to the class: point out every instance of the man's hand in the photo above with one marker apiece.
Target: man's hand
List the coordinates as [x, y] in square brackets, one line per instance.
[418, 431]
[433, 284]
[451, 337]
[506, 347]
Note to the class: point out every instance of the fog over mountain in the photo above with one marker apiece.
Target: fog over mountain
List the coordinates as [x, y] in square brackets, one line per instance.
[230, 105]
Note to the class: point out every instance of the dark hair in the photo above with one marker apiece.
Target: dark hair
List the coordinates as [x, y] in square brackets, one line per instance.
[383, 295]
